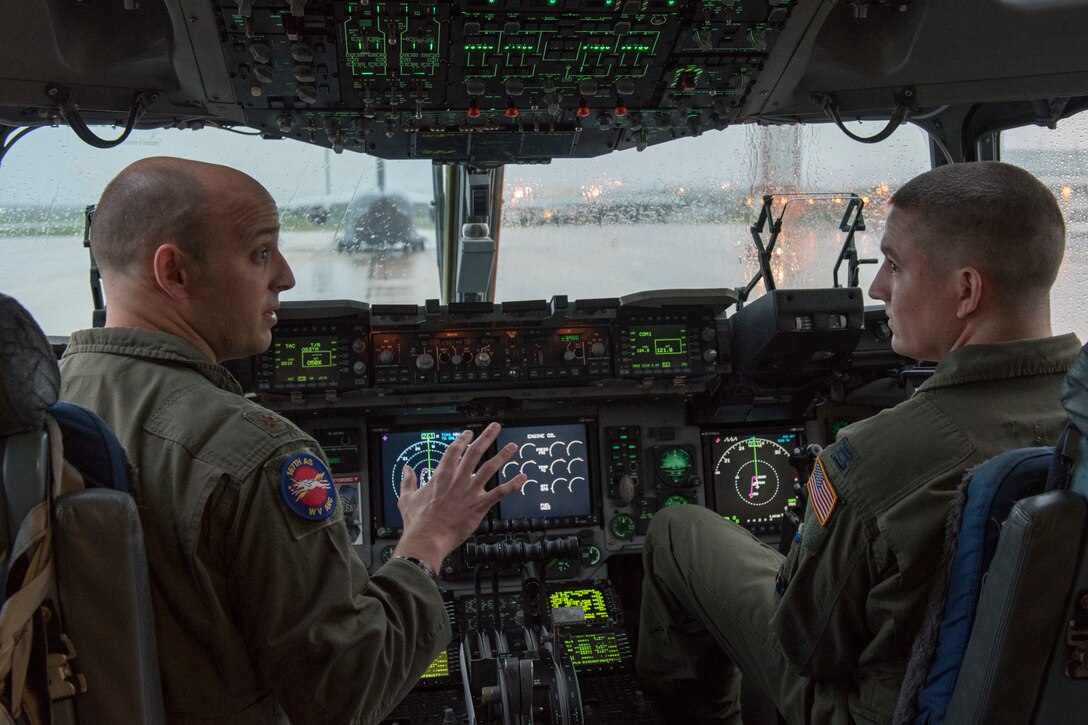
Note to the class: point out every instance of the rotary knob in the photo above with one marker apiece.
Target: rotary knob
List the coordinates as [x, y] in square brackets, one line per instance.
[483, 359]
[385, 357]
[597, 349]
[425, 361]
[456, 359]
[569, 355]
[710, 356]
[359, 367]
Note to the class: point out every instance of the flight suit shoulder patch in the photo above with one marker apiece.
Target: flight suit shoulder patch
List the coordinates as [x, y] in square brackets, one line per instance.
[842, 455]
[822, 496]
[307, 488]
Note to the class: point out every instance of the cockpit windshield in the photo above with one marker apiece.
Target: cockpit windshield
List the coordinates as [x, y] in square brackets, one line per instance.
[352, 227]
[677, 215]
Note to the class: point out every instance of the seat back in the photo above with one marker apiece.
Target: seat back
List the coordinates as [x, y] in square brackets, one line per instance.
[993, 648]
[1064, 693]
[1020, 611]
[94, 658]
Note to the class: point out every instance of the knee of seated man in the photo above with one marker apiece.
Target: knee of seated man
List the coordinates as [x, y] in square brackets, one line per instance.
[678, 526]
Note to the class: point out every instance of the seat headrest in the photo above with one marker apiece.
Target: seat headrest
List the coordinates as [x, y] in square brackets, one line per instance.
[29, 377]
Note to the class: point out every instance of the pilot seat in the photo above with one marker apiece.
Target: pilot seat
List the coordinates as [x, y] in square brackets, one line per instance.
[77, 636]
[1005, 639]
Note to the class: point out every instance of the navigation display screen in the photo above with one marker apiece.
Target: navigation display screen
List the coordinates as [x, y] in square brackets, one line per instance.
[420, 449]
[658, 348]
[306, 360]
[753, 477]
[554, 459]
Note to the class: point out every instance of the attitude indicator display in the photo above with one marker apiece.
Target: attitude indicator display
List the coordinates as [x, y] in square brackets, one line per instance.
[753, 478]
[554, 459]
[419, 450]
[675, 465]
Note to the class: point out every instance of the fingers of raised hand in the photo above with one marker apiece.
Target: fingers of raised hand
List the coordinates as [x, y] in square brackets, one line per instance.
[505, 489]
[492, 465]
[476, 451]
[408, 480]
[453, 454]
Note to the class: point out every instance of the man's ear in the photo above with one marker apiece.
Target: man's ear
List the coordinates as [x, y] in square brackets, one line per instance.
[969, 286]
[172, 271]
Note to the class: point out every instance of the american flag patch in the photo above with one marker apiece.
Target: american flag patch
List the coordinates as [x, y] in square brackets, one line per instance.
[820, 493]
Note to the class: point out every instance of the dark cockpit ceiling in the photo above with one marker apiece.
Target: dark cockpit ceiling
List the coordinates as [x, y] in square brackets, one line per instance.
[501, 81]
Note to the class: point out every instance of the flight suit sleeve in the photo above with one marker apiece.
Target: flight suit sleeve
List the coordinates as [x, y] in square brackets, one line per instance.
[821, 618]
[335, 644]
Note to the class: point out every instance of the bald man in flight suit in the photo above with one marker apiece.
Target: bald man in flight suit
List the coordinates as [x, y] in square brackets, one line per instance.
[970, 254]
[261, 605]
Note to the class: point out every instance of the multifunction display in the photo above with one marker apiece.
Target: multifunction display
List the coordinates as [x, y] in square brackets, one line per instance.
[306, 360]
[421, 450]
[554, 457]
[754, 478]
[666, 344]
[311, 355]
[658, 348]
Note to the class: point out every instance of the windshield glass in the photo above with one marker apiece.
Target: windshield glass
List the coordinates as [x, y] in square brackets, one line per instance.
[1060, 158]
[352, 227]
[677, 215]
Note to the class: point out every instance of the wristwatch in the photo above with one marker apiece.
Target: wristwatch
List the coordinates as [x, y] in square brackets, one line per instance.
[421, 565]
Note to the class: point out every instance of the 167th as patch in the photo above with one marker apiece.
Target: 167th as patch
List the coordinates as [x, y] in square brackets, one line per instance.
[307, 488]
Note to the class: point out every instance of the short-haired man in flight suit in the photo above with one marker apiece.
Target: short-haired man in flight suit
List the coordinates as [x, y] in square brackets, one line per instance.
[970, 254]
[261, 605]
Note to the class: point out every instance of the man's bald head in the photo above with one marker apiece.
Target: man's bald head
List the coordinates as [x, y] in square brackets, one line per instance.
[160, 200]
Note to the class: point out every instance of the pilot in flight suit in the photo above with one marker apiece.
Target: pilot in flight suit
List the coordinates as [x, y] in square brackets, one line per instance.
[828, 630]
[258, 595]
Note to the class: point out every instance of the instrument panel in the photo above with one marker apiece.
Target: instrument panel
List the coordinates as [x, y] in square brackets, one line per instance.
[602, 483]
[619, 409]
[482, 81]
[354, 347]
[501, 354]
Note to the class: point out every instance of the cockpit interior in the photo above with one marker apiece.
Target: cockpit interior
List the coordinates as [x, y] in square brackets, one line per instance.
[637, 233]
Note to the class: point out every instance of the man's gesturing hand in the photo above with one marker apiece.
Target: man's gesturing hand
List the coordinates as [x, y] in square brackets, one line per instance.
[445, 512]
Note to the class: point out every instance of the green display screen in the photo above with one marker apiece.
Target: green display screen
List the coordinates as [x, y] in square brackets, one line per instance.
[590, 600]
[306, 360]
[593, 648]
[439, 668]
[675, 465]
[658, 347]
